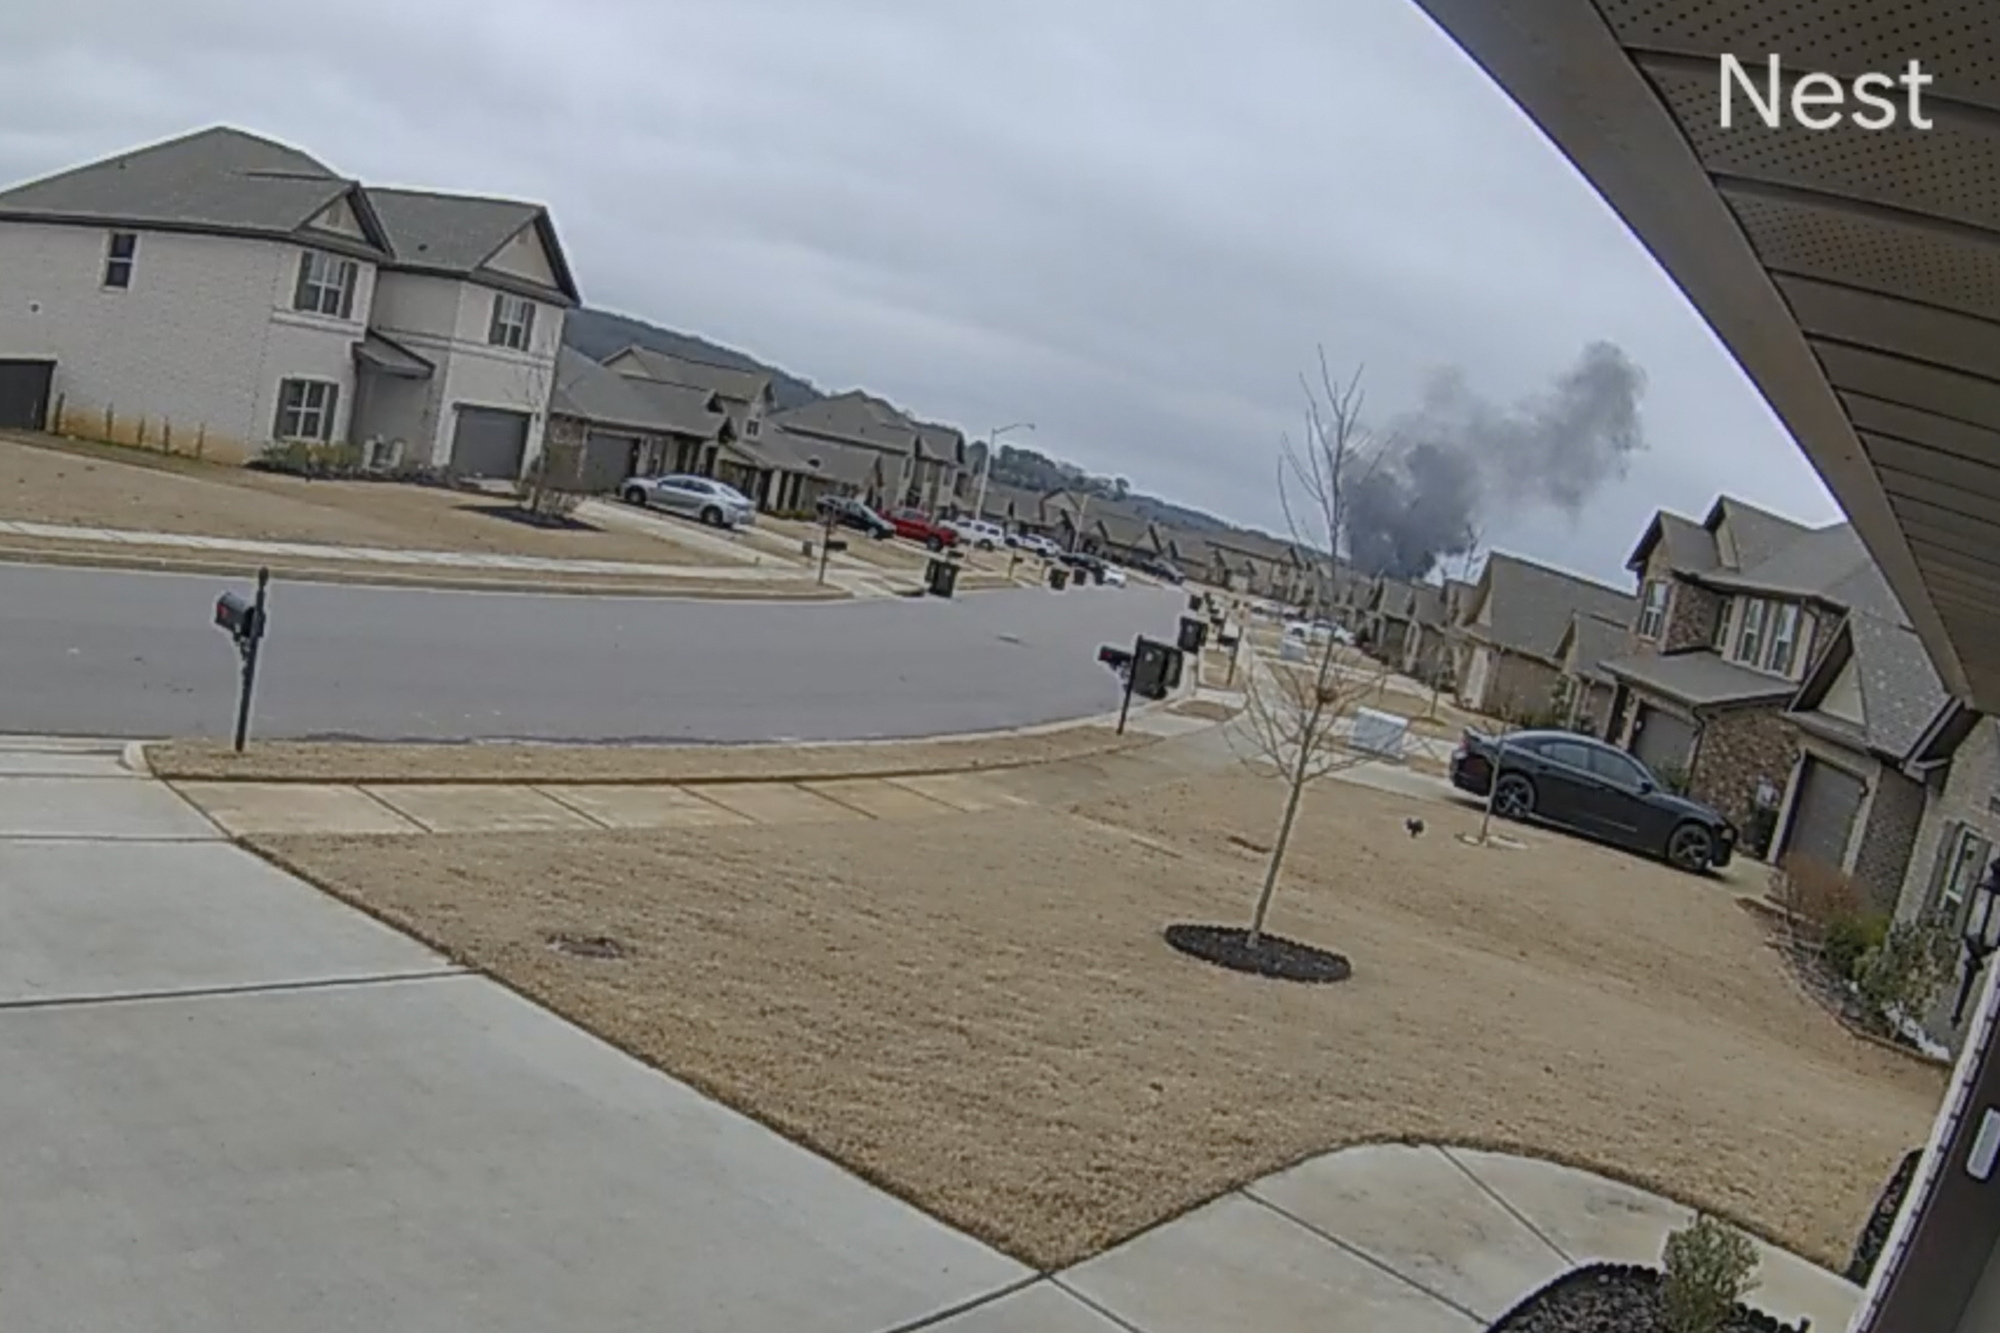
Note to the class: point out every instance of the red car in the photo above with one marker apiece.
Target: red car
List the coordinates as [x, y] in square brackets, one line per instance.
[918, 526]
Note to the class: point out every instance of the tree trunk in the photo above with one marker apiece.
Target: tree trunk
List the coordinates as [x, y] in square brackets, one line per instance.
[1307, 739]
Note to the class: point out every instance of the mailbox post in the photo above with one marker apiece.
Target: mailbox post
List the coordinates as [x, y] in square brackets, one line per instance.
[244, 622]
[828, 544]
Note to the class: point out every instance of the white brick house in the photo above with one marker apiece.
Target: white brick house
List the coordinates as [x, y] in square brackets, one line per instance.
[223, 292]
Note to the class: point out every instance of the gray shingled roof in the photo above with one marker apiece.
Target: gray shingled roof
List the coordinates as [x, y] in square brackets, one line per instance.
[1394, 598]
[457, 234]
[218, 179]
[855, 417]
[850, 465]
[1830, 564]
[743, 386]
[1699, 679]
[1900, 691]
[1592, 642]
[1758, 534]
[1427, 604]
[1531, 604]
[945, 444]
[592, 393]
[1690, 546]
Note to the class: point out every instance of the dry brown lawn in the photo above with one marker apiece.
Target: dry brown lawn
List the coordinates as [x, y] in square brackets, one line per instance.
[51, 481]
[351, 762]
[980, 1013]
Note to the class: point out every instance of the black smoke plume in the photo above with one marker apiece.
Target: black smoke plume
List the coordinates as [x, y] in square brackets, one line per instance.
[1459, 462]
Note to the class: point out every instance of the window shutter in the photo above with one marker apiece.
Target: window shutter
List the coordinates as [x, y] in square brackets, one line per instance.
[327, 431]
[305, 280]
[351, 271]
[493, 334]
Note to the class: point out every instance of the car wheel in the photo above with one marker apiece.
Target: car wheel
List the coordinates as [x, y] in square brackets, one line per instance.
[1514, 798]
[933, 544]
[1691, 847]
[635, 496]
[712, 516]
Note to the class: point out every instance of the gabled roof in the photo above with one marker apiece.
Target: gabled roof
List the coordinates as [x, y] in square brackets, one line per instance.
[1531, 605]
[743, 386]
[592, 393]
[1690, 547]
[1393, 598]
[1827, 564]
[1258, 546]
[942, 444]
[1590, 642]
[1756, 534]
[1699, 679]
[855, 418]
[220, 181]
[457, 235]
[1901, 696]
[780, 449]
[1427, 605]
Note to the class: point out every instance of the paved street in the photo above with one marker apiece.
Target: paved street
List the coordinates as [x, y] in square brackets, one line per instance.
[99, 652]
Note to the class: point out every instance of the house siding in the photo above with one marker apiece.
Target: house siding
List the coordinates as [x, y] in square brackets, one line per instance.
[1519, 689]
[127, 369]
[1967, 795]
[1736, 750]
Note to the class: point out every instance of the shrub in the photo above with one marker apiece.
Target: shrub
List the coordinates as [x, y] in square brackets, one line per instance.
[1708, 1272]
[553, 487]
[1672, 777]
[1813, 895]
[1904, 975]
[1846, 940]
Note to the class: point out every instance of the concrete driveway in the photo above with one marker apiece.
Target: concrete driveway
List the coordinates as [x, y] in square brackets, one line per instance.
[233, 1105]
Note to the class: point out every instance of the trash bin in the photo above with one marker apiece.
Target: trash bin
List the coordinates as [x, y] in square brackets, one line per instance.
[940, 578]
[1194, 633]
[1097, 575]
[1156, 669]
[1194, 601]
[1058, 577]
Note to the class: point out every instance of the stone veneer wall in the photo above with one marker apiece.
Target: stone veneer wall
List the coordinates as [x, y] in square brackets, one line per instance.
[1883, 860]
[1737, 747]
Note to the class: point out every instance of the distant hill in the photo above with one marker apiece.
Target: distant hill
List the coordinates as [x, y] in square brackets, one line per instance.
[599, 333]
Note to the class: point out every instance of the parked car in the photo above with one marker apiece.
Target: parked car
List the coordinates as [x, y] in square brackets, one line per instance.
[704, 498]
[1162, 570]
[917, 526]
[978, 533]
[846, 512]
[1114, 576]
[1035, 544]
[1581, 784]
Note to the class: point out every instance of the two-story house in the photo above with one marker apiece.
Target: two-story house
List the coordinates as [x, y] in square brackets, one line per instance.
[1733, 613]
[219, 292]
[909, 462]
[1514, 626]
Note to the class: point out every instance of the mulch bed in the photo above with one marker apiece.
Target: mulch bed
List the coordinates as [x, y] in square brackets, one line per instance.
[1874, 1236]
[1832, 993]
[1614, 1298]
[1272, 956]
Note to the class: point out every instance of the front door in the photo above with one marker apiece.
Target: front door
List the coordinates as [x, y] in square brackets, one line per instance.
[24, 394]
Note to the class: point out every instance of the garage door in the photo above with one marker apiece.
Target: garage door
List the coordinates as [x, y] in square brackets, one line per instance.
[608, 459]
[1823, 813]
[1664, 740]
[488, 442]
[24, 394]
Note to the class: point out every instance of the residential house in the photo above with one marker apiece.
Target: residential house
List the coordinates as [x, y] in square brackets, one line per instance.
[1589, 691]
[1250, 562]
[915, 463]
[627, 426]
[746, 395]
[219, 292]
[1120, 536]
[1425, 645]
[1015, 508]
[1386, 627]
[1862, 711]
[1507, 660]
[1733, 612]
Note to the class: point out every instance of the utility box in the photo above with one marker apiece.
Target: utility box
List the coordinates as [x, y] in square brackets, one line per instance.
[1194, 633]
[941, 578]
[1156, 669]
[1379, 733]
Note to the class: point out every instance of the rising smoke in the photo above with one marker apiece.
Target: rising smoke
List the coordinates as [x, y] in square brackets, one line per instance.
[1459, 462]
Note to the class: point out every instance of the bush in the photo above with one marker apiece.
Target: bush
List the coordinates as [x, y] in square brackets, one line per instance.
[305, 458]
[1672, 777]
[1708, 1273]
[1903, 976]
[1847, 940]
[1814, 895]
[553, 487]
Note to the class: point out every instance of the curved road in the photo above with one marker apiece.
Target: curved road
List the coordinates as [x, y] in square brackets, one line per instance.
[115, 653]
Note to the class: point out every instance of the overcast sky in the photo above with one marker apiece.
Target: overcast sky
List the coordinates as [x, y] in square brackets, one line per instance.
[1129, 221]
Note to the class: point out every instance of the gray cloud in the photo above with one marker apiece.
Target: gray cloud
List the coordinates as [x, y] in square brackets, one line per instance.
[1128, 221]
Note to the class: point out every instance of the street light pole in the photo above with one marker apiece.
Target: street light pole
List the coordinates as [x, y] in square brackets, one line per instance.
[986, 463]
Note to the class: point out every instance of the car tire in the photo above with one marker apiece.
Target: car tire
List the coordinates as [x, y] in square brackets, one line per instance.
[1514, 797]
[933, 543]
[635, 496]
[1691, 847]
[711, 517]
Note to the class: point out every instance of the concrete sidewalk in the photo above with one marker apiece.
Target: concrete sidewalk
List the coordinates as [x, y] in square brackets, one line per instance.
[234, 1105]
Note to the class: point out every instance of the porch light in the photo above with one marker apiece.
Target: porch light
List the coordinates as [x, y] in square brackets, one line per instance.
[1981, 935]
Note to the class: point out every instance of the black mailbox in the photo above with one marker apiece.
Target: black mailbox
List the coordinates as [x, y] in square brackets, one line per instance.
[1194, 633]
[835, 544]
[1194, 601]
[238, 617]
[1156, 668]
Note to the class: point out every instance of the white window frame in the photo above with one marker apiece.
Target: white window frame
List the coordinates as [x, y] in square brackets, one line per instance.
[118, 269]
[513, 322]
[1653, 609]
[326, 284]
[1956, 874]
[322, 414]
[1783, 631]
[1750, 640]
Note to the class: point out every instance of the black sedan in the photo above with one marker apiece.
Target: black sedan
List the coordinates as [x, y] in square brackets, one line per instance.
[846, 512]
[1581, 784]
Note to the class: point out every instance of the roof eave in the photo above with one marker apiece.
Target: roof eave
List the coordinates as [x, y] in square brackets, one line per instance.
[330, 241]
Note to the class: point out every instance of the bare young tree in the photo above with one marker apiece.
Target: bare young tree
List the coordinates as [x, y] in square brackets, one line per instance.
[1299, 716]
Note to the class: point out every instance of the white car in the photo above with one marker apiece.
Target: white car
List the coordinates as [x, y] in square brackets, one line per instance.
[1034, 544]
[1114, 577]
[977, 533]
[1319, 631]
[702, 498]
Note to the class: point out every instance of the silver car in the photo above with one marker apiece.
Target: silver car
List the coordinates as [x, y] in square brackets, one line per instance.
[702, 498]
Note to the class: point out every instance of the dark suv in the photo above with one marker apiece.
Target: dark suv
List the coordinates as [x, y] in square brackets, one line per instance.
[846, 512]
[1579, 783]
